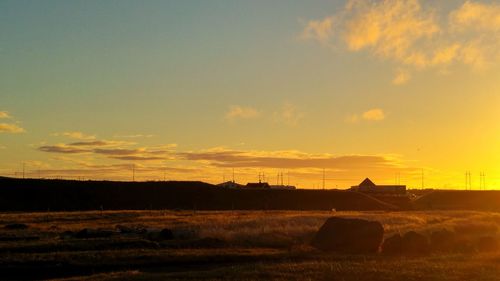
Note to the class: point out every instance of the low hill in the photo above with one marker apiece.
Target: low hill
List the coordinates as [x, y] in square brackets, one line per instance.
[64, 195]
[484, 200]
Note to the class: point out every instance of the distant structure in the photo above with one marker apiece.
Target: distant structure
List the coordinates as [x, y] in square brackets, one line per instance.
[367, 186]
[255, 185]
[230, 184]
[259, 184]
[287, 187]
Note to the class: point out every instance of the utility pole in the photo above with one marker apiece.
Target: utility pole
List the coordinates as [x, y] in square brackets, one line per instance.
[468, 181]
[482, 181]
[133, 172]
[422, 178]
[323, 178]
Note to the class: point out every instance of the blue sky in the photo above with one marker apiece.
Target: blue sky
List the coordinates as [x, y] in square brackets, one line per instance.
[257, 79]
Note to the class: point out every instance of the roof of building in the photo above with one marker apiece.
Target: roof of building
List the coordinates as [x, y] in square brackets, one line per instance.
[367, 183]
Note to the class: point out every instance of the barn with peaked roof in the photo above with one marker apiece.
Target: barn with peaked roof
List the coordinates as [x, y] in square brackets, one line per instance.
[367, 186]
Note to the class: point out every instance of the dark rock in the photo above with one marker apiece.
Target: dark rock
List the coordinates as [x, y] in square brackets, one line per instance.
[16, 226]
[349, 236]
[393, 245]
[414, 243]
[488, 244]
[442, 241]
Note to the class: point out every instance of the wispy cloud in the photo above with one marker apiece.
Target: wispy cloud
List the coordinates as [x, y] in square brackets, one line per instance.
[241, 112]
[4, 115]
[476, 15]
[98, 143]
[320, 30]
[134, 136]
[374, 114]
[289, 159]
[402, 76]
[412, 35]
[207, 164]
[63, 148]
[10, 128]
[289, 115]
[76, 135]
[112, 149]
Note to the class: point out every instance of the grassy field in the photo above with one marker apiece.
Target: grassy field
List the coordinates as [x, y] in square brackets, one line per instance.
[238, 245]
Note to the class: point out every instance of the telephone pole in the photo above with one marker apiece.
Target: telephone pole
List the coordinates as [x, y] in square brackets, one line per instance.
[422, 178]
[323, 178]
[133, 172]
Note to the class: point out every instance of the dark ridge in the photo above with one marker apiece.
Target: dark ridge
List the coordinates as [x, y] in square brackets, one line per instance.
[481, 200]
[72, 195]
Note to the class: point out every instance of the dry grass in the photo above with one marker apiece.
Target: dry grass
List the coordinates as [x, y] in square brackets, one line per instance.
[259, 245]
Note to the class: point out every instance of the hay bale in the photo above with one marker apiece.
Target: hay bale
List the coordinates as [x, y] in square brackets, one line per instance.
[393, 245]
[349, 236]
[442, 241]
[414, 243]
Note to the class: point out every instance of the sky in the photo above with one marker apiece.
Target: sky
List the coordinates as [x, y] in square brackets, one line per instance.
[194, 90]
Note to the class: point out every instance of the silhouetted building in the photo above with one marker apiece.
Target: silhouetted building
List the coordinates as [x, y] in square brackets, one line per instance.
[287, 187]
[367, 186]
[258, 185]
[230, 184]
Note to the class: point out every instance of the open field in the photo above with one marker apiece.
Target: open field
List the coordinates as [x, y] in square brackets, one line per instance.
[230, 245]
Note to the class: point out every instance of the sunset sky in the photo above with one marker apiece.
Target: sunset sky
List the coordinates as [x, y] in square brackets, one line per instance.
[189, 90]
